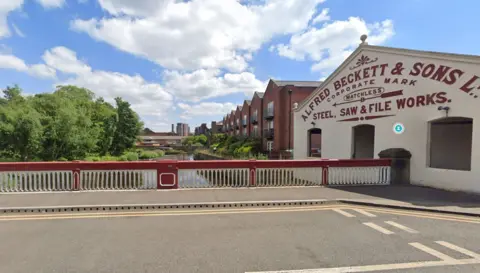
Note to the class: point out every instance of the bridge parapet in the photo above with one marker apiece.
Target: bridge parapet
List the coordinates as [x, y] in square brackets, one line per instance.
[152, 175]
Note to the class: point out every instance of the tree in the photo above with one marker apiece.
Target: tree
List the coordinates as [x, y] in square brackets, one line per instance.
[68, 123]
[202, 139]
[128, 128]
[20, 127]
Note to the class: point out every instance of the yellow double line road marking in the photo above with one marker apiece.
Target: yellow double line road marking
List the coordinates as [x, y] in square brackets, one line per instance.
[159, 213]
[112, 214]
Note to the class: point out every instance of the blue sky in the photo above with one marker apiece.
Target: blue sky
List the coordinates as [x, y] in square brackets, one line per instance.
[194, 61]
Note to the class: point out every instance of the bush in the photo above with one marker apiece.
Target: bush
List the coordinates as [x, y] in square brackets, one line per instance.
[160, 153]
[174, 152]
[62, 159]
[123, 158]
[148, 155]
[110, 158]
[131, 156]
[93, 158]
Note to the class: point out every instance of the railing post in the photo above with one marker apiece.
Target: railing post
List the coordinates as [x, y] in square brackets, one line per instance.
[253, 173]
[76, 179]
[325, 175]
[167, 174]
[76, 176]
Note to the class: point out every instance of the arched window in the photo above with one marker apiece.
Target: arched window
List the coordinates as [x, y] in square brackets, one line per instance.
[315, 142]
[450, 143]
[363, 141]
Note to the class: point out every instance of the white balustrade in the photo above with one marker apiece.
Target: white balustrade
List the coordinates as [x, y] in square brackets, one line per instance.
[118, 179]
[278, 177]
[36, 181]
[212, 178]
[376, 175]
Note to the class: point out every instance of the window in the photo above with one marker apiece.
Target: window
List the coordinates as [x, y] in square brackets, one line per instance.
[363, 141]
[270, 108]
[255, 130]
[450, 142]
[270, 124]
[244, 119]
[269, 146]
[255, 113]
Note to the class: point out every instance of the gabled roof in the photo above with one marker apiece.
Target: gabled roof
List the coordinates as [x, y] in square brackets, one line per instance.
[248, 102]
[239, 108]
[259, 94]
[297, 83]
[389, 50]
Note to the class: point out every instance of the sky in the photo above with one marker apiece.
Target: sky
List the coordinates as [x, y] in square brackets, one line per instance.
[193, 61]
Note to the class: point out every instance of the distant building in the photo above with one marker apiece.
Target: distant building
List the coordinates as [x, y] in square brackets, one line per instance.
[183, 129]
[151, 139]
[217, 127]
[201, 130]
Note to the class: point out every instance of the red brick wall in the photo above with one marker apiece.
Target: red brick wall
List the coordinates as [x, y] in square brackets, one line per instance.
[282, 107]
[238, 116]
[245, 111]
[257, 105]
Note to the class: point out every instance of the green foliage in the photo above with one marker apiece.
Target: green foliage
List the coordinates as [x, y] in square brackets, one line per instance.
[236, 147]
[68, 124]
[131, 156]
[174, 152]
[199, 141]
[151, 154]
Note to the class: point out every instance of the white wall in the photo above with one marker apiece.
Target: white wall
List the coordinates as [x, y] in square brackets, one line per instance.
[337, 136]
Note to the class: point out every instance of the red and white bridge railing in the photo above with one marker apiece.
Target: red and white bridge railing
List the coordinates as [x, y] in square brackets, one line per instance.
[145, 175]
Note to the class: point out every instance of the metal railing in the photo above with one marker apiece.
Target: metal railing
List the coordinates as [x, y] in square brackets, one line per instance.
[91, 176]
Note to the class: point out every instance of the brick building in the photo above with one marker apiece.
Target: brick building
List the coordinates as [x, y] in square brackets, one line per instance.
[245, 119]
[238, 120]
[277, 122]
[256, 115]
[217, 127]
[268, 116]
[232, 123]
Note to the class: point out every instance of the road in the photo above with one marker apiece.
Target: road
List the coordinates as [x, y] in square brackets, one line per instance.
[345, 238]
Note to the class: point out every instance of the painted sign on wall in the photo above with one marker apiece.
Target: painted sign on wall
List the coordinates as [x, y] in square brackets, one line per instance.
[353, 94]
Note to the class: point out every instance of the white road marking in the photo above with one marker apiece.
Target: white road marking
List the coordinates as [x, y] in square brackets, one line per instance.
[366, 213]
[380, 267]
[379, 228]
[459, 249]
[344, 213]
[432, 252]
[446, 261]
[402, 227]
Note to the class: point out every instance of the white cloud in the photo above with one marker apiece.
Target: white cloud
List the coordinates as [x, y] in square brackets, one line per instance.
[206, 109]
[42, 71]
[18, 31]
[38, 70]
[322, 17]
[5, 8]
[203, 84]
[49, 4]
[148, 99]
[329, 45]
[198, 34]
[65, 60]
[12, 62]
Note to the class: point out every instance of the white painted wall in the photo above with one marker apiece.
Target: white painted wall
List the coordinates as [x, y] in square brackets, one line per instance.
[337, 136]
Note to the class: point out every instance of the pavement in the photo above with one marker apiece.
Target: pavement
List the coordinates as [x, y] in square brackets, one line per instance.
[315, 239]
[411, 197]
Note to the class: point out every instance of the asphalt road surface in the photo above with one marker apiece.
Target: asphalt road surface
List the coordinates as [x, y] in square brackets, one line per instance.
[290, 240]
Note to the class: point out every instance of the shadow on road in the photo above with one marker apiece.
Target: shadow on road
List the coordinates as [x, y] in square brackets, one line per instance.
[419, 196]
